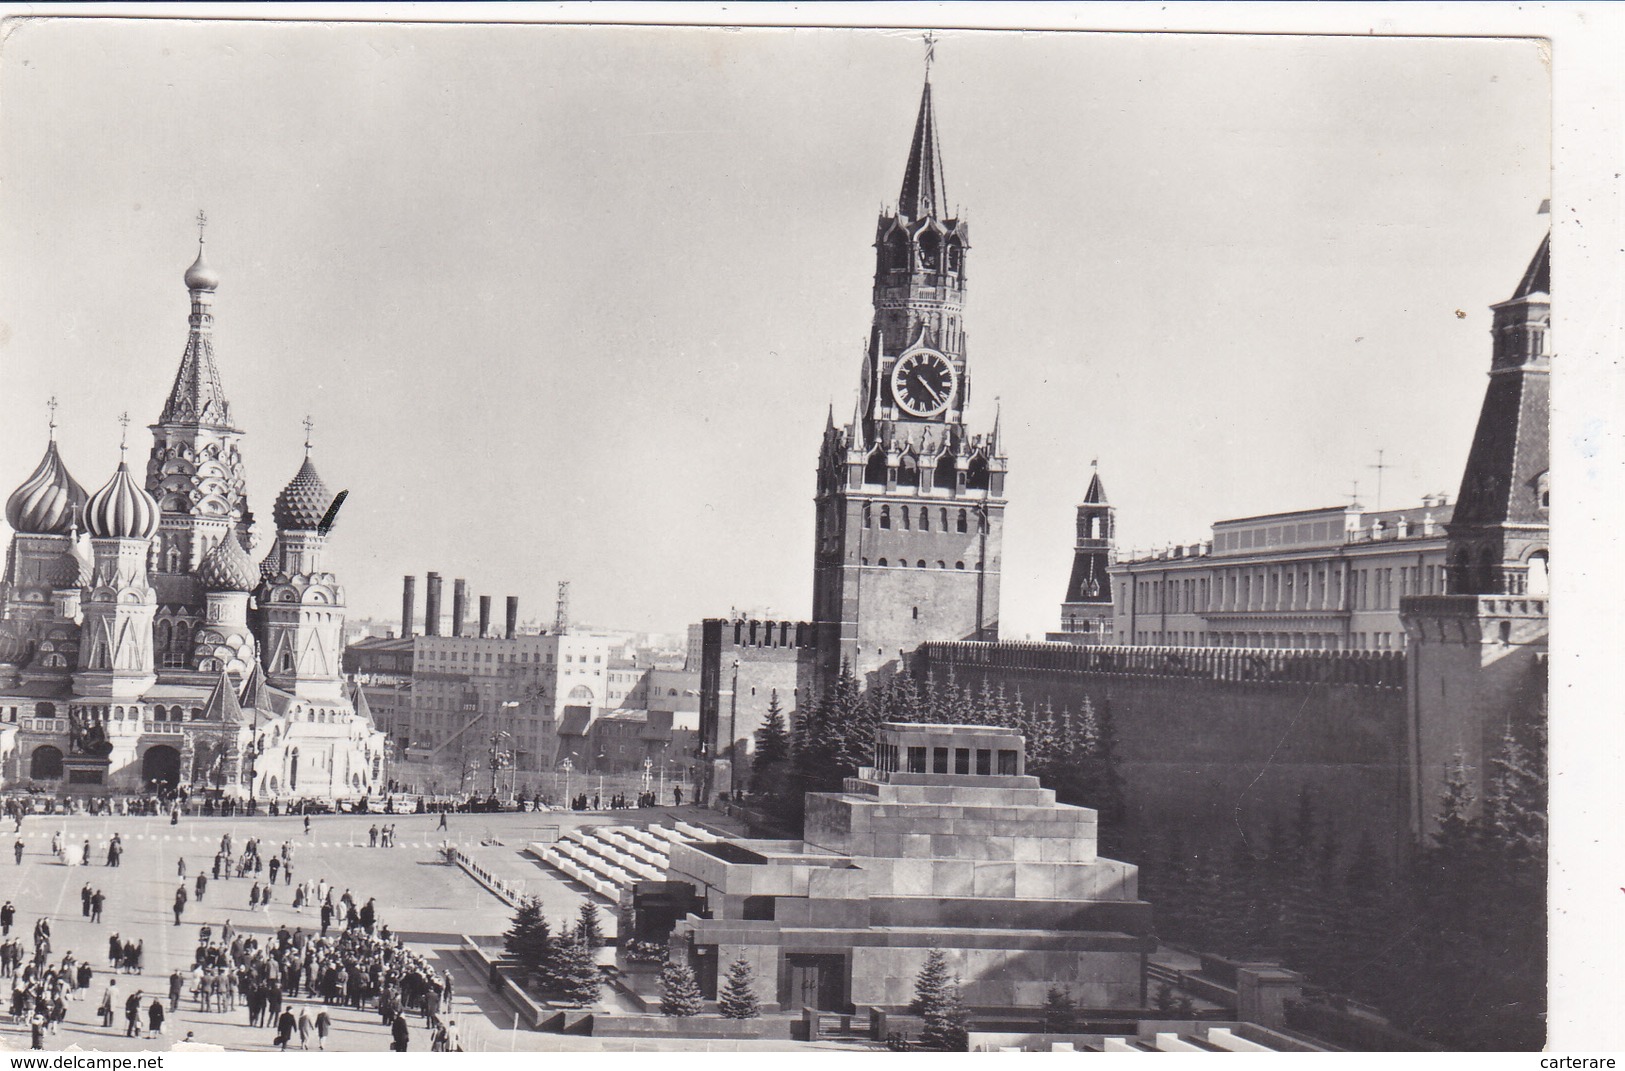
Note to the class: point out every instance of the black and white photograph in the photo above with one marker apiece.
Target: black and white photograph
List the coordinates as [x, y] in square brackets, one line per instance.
[609, 538]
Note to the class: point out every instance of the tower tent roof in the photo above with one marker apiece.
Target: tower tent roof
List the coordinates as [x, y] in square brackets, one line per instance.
[923, 194]
[223, 706]
[1096, 495]
[1537, 278]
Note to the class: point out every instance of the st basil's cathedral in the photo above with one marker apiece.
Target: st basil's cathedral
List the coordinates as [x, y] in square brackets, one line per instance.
[141, 648]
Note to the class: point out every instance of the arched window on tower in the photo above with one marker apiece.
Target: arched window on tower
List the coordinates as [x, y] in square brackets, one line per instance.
[930, 251]
[903, 516]
[925, 518]
[896, 252]
[963, 523]
[868, 515]
[1539, 581]
[874, 472]
[908, 472]
[885, 516]
[956, 255]
[1543, 490]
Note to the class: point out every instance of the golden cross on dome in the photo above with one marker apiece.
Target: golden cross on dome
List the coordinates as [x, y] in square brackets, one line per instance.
[930, 52]
[124, 422]
[51, 405]
[309, 424]
[202, 223]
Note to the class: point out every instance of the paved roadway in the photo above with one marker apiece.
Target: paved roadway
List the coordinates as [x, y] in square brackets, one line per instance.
[430, 903]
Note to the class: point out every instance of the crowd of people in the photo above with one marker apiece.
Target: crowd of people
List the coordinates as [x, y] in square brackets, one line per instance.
[290, 982]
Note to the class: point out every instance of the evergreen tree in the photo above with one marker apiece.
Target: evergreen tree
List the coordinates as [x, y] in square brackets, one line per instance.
[947, 1024]
[530, 941]
[679, 992]
[931, 984]
[577, 977]
[588, 930]
[772, 747]
[738, 998]
[1164, 999]
[1060, 1011]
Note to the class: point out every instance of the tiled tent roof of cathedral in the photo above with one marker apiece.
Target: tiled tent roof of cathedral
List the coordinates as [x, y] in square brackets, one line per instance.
[924, 193]
[223, 705]
[227, 567]
[122, 509]
[49, 502]
[303, 503]
[197, 396]
[1537, 278]
[64, 571]
[254, 694]
[363, 709]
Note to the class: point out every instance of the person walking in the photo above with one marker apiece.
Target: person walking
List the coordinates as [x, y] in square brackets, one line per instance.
[201, 884]
[180, 903]
[17, 849]
[96, 902]
[400, 1033]
[8, 915]
[305, 1027]
[84, 900]
[438, 828]
[177, 984]
[132, 1015]
[180, 868]
[285, 1026]
[155, 1019]
[323, 1024]
[276, 864]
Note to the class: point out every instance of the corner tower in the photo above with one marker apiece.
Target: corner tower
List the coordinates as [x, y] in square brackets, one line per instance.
[910, 502]
[1499, 532]
[1086, 610]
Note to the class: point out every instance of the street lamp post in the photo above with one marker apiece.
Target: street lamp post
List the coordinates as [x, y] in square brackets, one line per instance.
[568, 766]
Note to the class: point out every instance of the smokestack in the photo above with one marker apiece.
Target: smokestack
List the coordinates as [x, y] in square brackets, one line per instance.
[409, 605]
[431, 606]
[459, 605]
[513, 616]
[485, 616]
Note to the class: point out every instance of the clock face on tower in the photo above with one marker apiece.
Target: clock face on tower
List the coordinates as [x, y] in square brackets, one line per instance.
[923, 382]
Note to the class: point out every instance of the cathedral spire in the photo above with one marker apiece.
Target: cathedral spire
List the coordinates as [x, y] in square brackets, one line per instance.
[923, 194]
[197, 396]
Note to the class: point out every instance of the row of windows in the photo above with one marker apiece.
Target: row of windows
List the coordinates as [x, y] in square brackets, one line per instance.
[919, 564]
[1290, 589]
[961, 519]
[499, 656]
[887, 760]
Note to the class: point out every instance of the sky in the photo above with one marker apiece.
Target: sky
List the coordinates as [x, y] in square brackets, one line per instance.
[573, 302]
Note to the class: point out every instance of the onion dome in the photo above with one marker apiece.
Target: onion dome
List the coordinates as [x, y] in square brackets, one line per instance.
[49, 502]
[302, 505]
[270, 563]
[200, 276]
[227, 567]
[84, 563]
[122, 509]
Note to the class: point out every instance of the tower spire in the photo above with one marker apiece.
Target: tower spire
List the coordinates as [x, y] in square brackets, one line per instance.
[924, 194]
[309, 425]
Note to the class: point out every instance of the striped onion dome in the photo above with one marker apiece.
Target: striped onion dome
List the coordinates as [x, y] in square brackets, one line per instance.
[303, 503]
[227, 567]
[84, 563]
[122, 509]
[50, 502]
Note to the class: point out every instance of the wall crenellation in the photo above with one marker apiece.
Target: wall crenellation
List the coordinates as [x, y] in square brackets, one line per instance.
[1365, 669]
